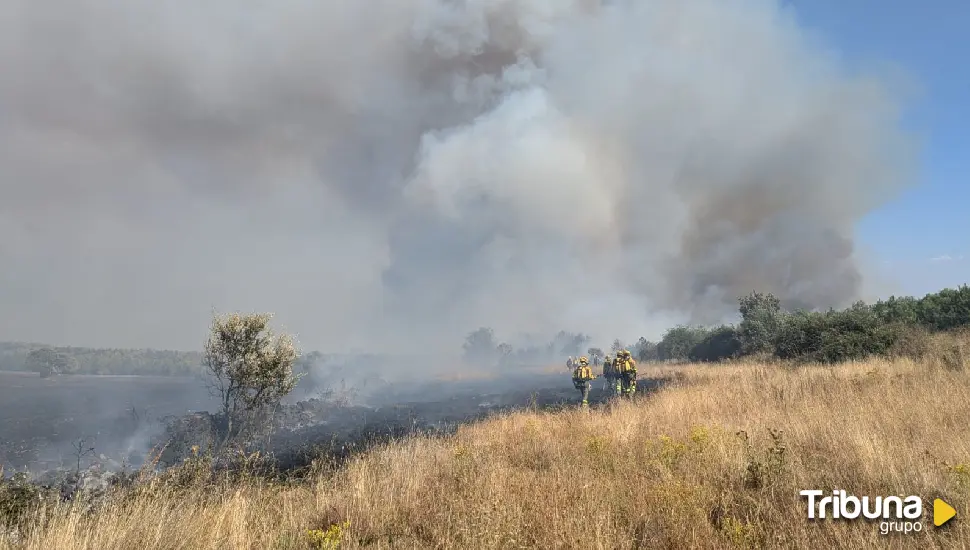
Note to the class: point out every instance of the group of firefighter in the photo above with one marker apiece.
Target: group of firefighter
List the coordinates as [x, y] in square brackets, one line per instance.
[620, 374]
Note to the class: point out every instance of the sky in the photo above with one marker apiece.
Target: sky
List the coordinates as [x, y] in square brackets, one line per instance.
[921, 238]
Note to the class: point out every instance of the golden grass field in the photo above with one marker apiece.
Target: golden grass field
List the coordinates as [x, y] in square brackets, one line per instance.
[668, 471]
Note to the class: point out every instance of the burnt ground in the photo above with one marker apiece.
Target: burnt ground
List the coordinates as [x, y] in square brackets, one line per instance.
[40, 419]
[426, 408]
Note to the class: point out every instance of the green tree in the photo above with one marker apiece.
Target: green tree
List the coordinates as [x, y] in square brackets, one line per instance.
[946, 309]
[48, 362]
[835, 336]
[905, 309]
[678, 342]
[249, 368]
[719, 344]
[759, 322]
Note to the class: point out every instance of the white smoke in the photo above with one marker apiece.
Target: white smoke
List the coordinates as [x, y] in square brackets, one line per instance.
[391, 174]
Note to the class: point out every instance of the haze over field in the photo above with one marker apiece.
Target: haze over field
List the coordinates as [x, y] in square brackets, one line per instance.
[394, 174]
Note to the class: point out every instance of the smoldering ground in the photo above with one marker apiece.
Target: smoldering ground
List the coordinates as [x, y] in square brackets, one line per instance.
[49, 421]
[117, 416]
[109, 423]
[393, 174]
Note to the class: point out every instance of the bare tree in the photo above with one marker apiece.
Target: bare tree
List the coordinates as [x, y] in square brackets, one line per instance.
[249, 368]
[617, 346]
[81, 450]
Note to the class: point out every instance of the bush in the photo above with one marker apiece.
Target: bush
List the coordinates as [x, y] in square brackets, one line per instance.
[835, 336]
[946, 309]
[759, 322]
[719, 344]
[912, 341]
[898, 326]
[677, 343]
[903, 310]
[48, 361]
[19, 499]
[250, 369]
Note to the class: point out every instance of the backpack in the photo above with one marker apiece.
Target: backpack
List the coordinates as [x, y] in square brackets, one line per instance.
[625, 366]
[583, 372]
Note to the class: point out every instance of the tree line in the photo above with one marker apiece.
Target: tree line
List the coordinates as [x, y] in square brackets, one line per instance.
[482, 348]
[897, 325]
[881, 328]
[47, 360]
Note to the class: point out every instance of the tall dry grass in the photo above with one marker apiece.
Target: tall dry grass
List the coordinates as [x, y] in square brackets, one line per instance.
[713, 460]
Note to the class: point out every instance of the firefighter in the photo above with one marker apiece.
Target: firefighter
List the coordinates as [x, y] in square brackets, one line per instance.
[570, 363]
[609, 373]
[582, 377]
[626, 368]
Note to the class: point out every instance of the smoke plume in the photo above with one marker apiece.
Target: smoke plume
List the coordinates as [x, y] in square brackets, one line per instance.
[389, 173]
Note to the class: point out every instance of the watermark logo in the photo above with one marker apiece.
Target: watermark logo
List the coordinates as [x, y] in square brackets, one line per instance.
[942, 512]
[894, 513]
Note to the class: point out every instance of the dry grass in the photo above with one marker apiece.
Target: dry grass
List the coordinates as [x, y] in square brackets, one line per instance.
[668, 472]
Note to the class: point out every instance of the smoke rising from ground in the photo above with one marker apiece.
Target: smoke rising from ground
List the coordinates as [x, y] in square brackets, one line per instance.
[397, 173]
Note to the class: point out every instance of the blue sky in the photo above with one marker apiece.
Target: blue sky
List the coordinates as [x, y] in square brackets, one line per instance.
[921, 239]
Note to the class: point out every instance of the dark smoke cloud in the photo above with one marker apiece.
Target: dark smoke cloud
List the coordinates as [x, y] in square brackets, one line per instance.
[384, 173]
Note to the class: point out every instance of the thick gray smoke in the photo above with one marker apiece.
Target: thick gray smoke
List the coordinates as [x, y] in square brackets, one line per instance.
[390, 172]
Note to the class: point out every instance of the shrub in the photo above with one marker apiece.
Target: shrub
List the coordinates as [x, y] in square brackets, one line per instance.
[912, 341]
[249, 368]
[678, 342]
[946, 309]
[835, 336]
[719, 344]
[48, 361]
[19, 499]
[759, 322]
